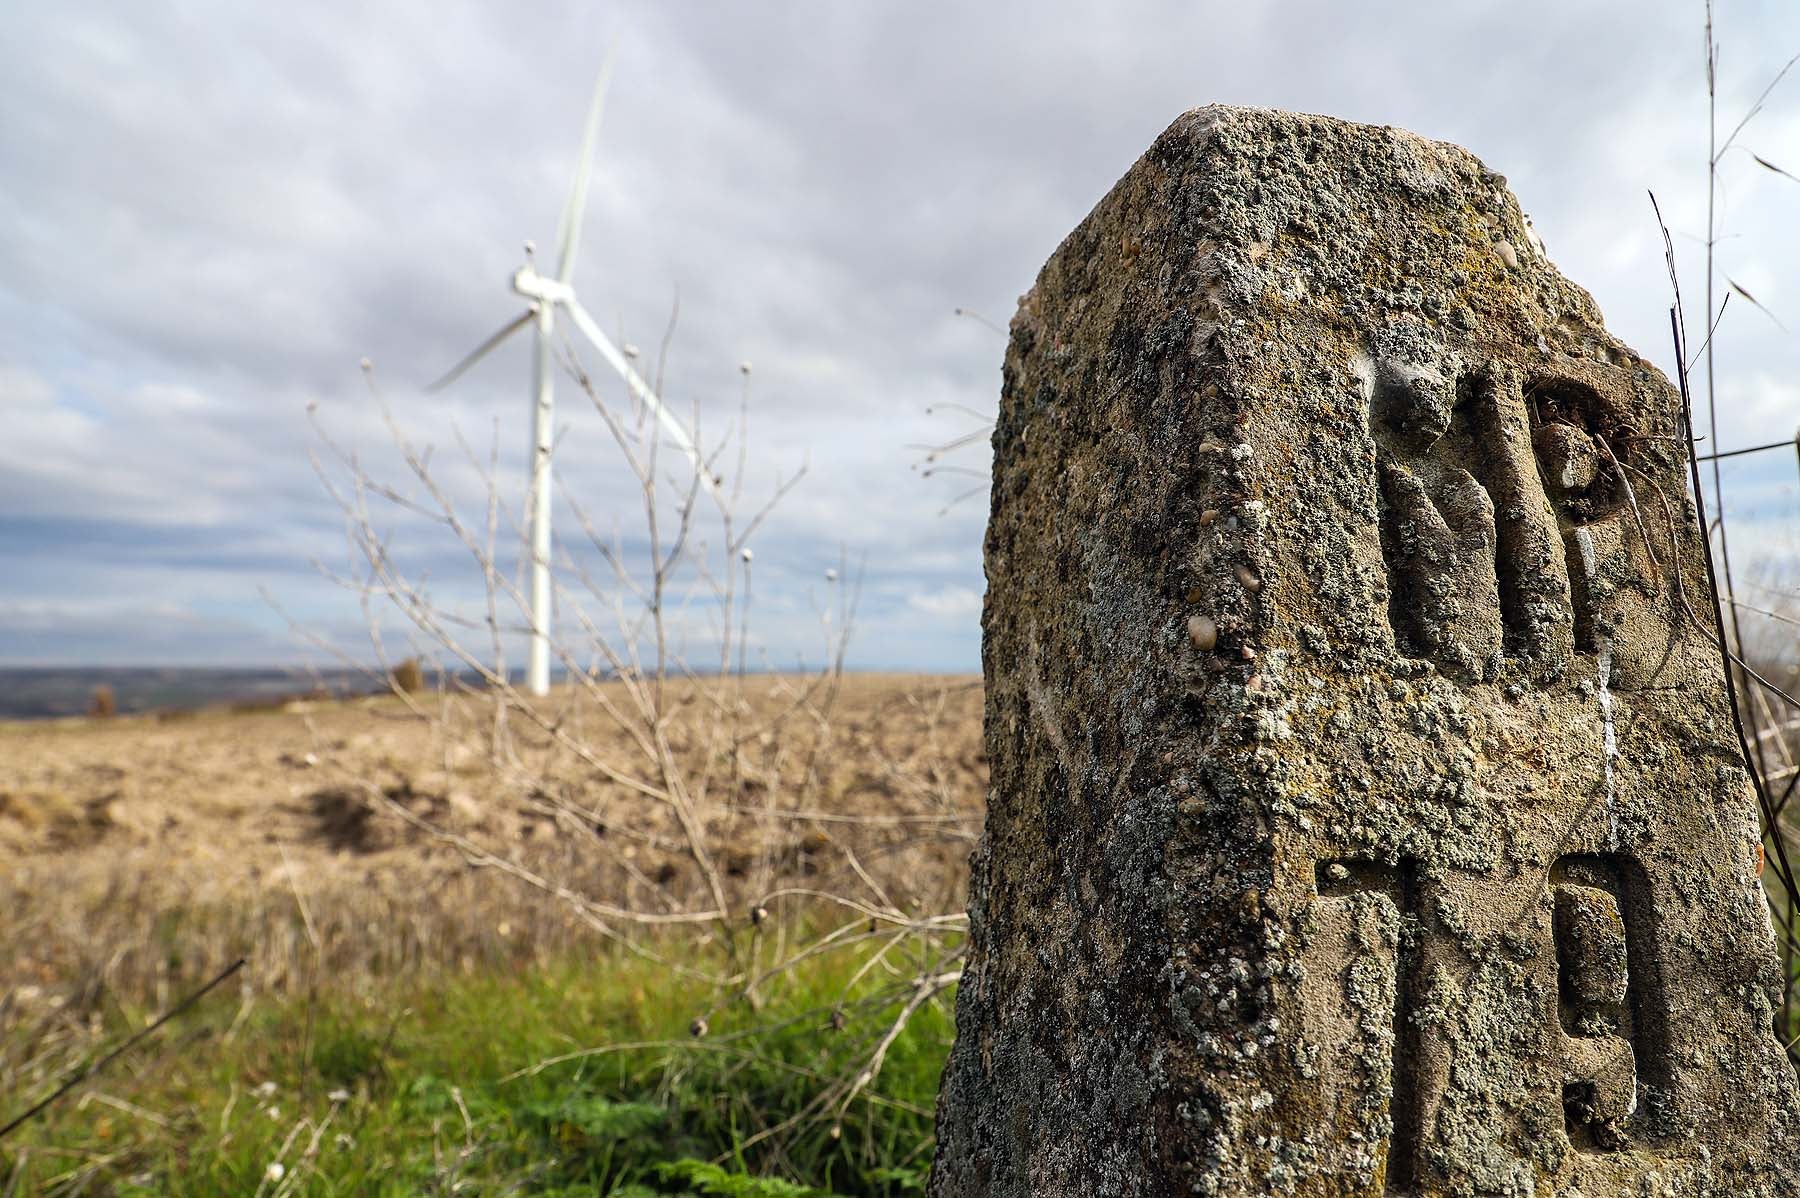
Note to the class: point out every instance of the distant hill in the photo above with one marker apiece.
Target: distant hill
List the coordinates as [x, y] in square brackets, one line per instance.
[48, 692]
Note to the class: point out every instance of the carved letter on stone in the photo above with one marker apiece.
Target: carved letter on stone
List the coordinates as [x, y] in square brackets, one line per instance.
[1476, 568]
[1368, 958]
[1608, 996]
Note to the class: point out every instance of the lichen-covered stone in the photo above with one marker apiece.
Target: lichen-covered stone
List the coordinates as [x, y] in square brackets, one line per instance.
[1367, 816]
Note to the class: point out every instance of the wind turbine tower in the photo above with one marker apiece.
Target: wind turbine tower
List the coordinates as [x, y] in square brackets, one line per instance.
[545, 294]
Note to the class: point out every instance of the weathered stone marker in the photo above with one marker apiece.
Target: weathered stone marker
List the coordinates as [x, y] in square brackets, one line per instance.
[1367, 817]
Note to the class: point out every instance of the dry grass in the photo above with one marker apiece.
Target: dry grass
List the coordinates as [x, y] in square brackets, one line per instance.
[435, 844]
[139, 855]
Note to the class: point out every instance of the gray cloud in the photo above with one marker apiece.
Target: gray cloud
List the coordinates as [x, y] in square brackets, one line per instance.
[210, 212]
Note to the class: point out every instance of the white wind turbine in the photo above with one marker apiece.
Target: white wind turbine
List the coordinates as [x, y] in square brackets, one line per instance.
[546, 294]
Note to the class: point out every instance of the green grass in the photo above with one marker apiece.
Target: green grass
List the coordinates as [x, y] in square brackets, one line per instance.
[417, 1089]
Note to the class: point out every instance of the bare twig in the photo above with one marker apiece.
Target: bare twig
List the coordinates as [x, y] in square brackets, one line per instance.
[99, 1065]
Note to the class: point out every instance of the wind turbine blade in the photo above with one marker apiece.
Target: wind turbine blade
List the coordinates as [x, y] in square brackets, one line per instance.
[568, 234]
[642, 391]
[481, 351]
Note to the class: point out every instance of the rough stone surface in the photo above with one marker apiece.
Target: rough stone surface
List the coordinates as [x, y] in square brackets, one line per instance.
[1366, 815]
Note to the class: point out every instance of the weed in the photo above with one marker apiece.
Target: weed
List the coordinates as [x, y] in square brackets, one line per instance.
[576, 1077]
[408, 676]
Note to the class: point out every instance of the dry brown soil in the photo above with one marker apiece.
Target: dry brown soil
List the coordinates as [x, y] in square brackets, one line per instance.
[381, 834]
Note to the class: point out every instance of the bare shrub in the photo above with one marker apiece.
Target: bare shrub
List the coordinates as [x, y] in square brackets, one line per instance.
[408, 677]
[671, 788]
[101, 703]
[1758, 669]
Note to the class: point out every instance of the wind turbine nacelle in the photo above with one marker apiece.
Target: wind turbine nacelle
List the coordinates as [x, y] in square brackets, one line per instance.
[534, 286]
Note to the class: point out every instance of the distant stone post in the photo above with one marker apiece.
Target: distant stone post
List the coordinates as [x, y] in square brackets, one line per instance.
[1367, 817]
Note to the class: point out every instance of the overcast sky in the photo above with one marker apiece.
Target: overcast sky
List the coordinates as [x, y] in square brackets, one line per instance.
[211, 212]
